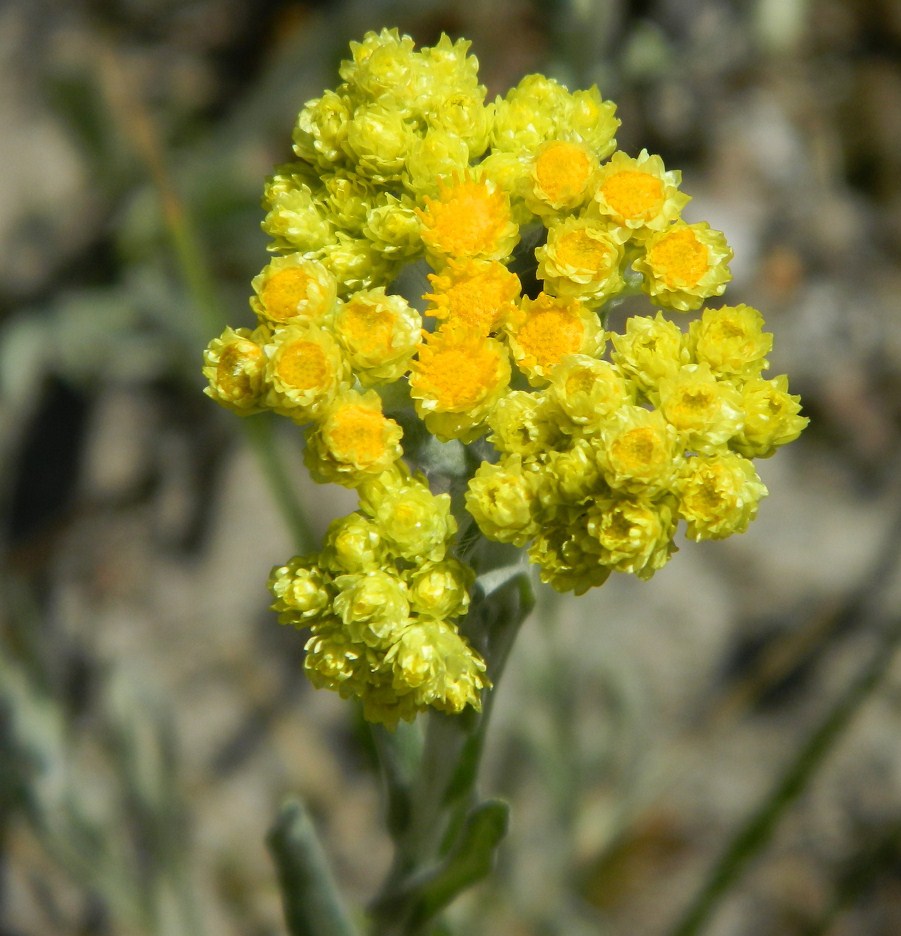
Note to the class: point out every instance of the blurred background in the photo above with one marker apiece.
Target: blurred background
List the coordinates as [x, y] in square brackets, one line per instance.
[153, 715]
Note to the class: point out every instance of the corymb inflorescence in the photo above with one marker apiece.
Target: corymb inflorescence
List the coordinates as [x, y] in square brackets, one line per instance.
[521, 225]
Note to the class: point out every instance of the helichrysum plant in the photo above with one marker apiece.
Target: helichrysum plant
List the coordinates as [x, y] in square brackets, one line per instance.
[435, 317]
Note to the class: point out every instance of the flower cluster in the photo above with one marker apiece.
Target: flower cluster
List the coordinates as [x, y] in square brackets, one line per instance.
[529, 225]
[382, 599]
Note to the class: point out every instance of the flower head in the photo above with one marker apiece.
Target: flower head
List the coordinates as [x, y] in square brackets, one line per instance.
[294, 288]
[546, 329]
[580, 259]
[718, 495]
[469, 218]
[235, 366]
[685, 264]
[475, 295]
[731, 340]
[560, 177]
[305, 370]
[352, 440]
[379, 333]
[456, 379]
[637, 195]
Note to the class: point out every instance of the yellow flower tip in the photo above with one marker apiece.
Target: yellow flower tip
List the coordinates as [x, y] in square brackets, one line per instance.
[235, 366]
[638, 194]
[634, 534]
[305, 370]
[434, 663]
[634, 196]
[456, 380]
[560, 176]
[588, 390]
[685, 264]
[353, 441]
[379, 333]
[566, 555]
[547, 329]
[680, 258]
[470, 218]
[718, 495]
[706, 412]
[501, 498]
[637, 451]
[580, 259]
[294, 288]
[473, 294]
[731, 340]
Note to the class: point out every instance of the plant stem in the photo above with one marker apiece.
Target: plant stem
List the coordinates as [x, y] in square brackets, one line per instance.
[439, 809]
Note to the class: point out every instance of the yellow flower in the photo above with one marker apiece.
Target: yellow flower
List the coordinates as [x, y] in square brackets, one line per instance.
[353, 440]
[379, 332]
[637, 195]
[539, 109]
[440, 590]
[378, 140]
[373, 607]
[384, 65]
[321, 129]
[413, 523]
[294, 288]
[566, 556]
[706, 412]
[434, 159]
[298, 220]
[524, 423]
[300, 591]
[580, 259]
[501, 498]
[731, 340]
[392, 226]
[456, 380]
[560, 177]
[637, 451]
[588, 390]
[305, 370]
[685, 264]
[235, 366]
[772, 417]
[634, 534]
[718, 495]
[476, 295]
[545, 330]
[352, 544]
[470, 218]
[334, 661]
[462, 115]
[356, 263]
[431, 660]
[649, 350]
[569, 477]
[451, 68]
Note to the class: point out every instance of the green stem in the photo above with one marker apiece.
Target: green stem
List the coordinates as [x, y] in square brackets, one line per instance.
[447, 838]
[760, 825]
[310, 898]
